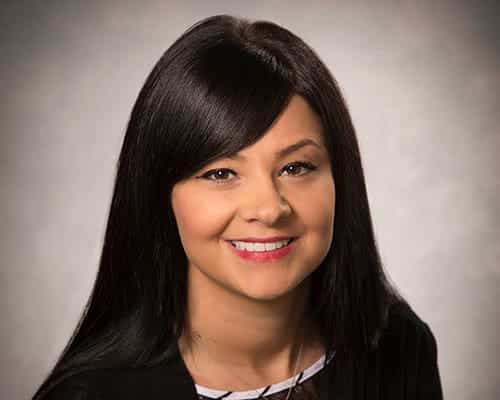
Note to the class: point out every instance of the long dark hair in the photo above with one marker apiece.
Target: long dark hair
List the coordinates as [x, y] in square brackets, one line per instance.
[216, 90]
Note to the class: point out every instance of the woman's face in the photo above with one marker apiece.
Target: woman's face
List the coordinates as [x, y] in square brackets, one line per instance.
[260, 194]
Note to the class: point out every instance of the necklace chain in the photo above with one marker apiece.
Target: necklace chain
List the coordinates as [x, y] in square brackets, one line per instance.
[295, 373]
[297, 363]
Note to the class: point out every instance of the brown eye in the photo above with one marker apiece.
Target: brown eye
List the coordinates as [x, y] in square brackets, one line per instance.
[292, 168]
[218, 175]
[222, 175]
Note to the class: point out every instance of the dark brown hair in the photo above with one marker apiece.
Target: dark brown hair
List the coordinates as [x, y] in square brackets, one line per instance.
[216, 90]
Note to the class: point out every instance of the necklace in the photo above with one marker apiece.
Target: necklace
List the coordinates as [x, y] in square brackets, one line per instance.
[297, 363]
[295, 373]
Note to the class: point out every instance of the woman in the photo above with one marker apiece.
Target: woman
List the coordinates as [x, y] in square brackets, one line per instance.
[239, 259]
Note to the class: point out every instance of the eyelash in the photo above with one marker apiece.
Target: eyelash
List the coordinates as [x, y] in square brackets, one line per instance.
[302, 164]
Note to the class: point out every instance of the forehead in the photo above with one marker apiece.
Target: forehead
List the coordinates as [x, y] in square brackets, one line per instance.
[298, 126]
[298, 118]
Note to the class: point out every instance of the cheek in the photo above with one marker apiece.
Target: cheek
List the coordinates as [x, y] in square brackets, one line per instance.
[317, 203]
[198, 217]
[317, 211]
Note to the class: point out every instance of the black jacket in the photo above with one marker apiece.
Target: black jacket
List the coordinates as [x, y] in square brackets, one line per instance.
[404, 366]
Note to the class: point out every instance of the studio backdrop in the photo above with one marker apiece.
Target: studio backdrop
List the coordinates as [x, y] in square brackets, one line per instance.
[421, 79]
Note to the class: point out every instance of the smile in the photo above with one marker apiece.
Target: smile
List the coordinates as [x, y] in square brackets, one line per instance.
[260, 247]
[263, 252]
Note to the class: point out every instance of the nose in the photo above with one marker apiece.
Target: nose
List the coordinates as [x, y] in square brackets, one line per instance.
[264, 202]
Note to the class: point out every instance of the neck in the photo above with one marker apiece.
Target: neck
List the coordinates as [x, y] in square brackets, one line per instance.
[230, 332]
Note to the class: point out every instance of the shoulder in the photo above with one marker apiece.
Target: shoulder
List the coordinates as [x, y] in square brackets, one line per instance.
[77, 387]
[408, 330]
[408, 354]
[150, 382]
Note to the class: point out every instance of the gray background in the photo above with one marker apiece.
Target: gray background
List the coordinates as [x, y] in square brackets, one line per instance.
[422, 82]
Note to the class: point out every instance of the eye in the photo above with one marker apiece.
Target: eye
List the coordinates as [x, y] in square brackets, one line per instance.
[220, 175]
[297, 165]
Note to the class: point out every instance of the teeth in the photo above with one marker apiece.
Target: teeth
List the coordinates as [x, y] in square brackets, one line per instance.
[247, 246]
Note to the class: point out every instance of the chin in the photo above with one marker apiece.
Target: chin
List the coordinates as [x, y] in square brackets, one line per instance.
[265, 297]
[267, 294]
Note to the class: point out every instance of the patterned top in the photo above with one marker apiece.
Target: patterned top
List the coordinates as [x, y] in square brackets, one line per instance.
[304, 389]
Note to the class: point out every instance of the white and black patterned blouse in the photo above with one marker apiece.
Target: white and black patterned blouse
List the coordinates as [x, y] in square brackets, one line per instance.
[306, 383]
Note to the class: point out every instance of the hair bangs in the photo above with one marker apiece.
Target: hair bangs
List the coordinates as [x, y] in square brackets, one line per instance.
[234, 97]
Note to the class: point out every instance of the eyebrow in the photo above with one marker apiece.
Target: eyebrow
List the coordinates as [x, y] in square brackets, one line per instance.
[285, 151]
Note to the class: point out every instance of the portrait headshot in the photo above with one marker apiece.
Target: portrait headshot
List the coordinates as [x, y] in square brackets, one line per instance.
[251, 201]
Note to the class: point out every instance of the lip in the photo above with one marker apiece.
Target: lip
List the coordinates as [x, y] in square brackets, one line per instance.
[264, 256]
[262, 240]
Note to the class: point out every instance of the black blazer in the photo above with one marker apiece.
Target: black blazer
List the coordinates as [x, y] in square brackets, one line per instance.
[404, 366]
